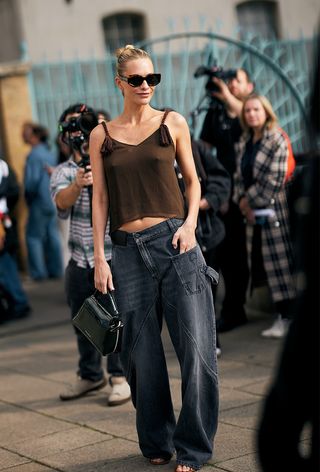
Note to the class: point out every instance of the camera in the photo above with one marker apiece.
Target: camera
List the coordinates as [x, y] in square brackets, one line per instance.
[217, 72]
[84, 123]
[85, 161]
[79, 129]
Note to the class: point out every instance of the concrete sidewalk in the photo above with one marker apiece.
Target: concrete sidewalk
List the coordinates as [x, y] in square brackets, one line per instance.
[40, 433]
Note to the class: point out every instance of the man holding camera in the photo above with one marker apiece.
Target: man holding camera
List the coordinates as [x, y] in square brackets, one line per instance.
[222, 130]
[71, 188]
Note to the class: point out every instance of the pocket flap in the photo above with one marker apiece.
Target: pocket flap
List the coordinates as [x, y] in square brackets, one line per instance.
[214, 276]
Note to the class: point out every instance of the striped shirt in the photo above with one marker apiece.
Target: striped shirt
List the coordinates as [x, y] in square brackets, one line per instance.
[81, 235]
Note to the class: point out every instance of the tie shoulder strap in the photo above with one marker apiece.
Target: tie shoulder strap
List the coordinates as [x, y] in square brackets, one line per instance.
[165, 136]
[107, 145]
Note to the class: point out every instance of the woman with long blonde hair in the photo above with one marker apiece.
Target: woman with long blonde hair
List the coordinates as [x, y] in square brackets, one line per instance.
[262, 160]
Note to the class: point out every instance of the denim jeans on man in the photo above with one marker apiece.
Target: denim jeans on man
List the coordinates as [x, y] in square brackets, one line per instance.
[80, 285]
[43, 243]
[153, 280]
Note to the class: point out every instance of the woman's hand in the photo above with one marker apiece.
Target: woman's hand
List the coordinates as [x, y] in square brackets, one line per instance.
[84, 177]
[184, 237]
[247, 211]
[103, 277]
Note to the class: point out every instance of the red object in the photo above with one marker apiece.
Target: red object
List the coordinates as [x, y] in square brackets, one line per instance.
[291, 159]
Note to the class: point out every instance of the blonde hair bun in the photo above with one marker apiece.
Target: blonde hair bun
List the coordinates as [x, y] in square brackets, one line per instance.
[129, 53]
[120, 51]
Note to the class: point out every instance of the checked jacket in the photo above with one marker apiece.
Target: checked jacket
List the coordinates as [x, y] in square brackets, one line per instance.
[268, 191]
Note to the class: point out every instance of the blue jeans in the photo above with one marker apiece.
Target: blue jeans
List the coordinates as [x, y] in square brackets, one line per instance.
[10, 280]
[152, 280]
[79, 284]
[44, 245]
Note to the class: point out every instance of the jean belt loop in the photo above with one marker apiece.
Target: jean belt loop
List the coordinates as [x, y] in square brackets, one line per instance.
[171, 224]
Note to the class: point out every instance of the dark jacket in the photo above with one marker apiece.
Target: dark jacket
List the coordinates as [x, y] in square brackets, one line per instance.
[215, 188]
[222, 132]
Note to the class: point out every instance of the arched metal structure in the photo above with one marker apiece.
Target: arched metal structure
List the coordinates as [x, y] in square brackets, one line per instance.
[280, 70]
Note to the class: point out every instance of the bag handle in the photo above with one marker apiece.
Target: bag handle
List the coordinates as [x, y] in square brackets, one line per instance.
[112, 300]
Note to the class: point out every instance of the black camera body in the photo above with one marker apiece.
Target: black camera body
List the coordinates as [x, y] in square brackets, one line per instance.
[83, 123]
[217, 72]
[76, 131]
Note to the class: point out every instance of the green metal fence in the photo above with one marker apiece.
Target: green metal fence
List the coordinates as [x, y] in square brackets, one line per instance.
[281, 71]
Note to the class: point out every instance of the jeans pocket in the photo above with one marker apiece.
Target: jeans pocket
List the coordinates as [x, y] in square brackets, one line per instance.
[189, 267]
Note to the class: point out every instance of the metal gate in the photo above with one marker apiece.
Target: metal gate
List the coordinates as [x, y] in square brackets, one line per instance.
[281, 70]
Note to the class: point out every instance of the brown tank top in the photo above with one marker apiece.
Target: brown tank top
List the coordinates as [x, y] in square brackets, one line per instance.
[141, 178]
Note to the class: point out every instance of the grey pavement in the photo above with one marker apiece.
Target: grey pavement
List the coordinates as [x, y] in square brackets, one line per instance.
[40, 433]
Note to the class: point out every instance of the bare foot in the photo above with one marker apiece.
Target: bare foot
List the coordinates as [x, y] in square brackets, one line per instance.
[184, 468]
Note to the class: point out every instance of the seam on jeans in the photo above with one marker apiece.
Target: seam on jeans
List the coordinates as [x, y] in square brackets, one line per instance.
[215, 374]
[134, 344]
[147, 259]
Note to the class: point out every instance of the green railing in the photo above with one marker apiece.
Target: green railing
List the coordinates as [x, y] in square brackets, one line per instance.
[281, 71]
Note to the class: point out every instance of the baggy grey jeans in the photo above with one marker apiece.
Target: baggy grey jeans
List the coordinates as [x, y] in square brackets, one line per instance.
[153, 280]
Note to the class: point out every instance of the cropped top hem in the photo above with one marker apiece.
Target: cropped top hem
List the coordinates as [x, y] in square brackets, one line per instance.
[146, 215]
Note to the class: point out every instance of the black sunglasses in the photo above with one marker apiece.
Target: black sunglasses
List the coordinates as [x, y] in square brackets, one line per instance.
[137, 80]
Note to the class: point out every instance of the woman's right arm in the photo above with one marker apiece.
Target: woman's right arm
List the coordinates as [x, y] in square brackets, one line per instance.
[100, 207]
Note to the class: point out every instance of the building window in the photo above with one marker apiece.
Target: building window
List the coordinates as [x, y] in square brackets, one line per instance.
[123, 28]
[258, 18]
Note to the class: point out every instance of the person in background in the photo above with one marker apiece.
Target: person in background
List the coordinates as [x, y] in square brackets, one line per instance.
[103, 115]
[158, 269]
[64, 152]
[71, 187]
[42, 235]
[215, 185]
[222, 130]
[289, 428]
[14, 301]
[262, 155]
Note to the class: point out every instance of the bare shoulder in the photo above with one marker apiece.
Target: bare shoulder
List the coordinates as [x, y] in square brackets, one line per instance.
[176, 119]
[176, 122]
[98, 134]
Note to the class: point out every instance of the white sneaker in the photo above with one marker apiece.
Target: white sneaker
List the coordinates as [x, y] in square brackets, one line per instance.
[81, 387]
[120, 392]
[219, 352]
[278, 330]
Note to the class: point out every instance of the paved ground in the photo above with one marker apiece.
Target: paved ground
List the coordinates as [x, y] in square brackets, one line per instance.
[40, 433]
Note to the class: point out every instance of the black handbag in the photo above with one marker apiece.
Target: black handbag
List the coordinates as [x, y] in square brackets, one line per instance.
[100, 322]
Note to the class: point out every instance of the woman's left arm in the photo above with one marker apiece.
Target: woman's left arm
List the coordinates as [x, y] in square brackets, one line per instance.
[185, 235]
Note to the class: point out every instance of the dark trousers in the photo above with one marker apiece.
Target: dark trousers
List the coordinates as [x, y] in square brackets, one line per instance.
[153, 281]
[79, 284]
[231, 258]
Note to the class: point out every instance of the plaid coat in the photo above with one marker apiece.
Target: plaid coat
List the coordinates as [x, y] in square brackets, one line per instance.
[268, 191]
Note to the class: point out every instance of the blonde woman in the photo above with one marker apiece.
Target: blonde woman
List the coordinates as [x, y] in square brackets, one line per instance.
[262, 159]
[157, 268]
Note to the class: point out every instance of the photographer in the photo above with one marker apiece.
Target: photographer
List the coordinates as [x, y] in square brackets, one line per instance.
[222, 130]
[71, 188]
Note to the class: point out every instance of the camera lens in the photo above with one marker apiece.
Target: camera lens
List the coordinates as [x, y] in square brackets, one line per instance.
[86, 122]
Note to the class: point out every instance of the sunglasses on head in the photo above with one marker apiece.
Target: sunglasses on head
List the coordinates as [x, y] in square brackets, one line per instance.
[137, 80]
